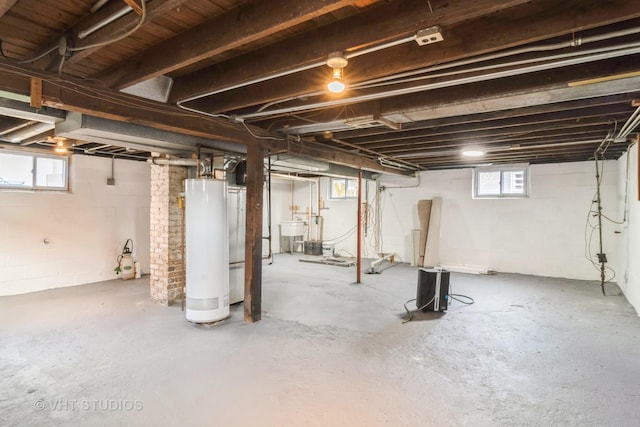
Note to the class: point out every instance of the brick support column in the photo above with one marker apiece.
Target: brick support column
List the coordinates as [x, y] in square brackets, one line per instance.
[167, 266]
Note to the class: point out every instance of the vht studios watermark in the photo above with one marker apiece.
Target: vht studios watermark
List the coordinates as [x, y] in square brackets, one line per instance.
[89, 405]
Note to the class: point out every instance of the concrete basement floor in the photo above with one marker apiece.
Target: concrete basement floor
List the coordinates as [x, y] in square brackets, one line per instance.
[532, 351]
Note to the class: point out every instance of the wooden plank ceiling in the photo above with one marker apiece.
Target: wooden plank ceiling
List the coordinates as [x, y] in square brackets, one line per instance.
[523, 81]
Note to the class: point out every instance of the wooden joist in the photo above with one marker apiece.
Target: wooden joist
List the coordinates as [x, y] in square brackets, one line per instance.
[5, 5]
[232, 30]
[511, 27]
[379, 25]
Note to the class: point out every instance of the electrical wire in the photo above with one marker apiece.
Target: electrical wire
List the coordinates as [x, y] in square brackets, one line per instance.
[384, 82]
[62, 59]
[143, 17]
[346, 252]
[410, 313]
[607, 218]
[590, 228]
[42, 55]
[103, 96]
[258, 136]
[457, 296]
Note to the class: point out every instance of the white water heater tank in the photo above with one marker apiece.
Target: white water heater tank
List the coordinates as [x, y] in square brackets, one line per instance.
[237, 212]
[207, 250]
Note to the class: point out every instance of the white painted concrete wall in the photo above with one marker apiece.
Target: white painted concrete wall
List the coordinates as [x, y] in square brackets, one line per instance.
[340, 216]
[87, 227]
[280, 199]
[628, 267]
[540, 235]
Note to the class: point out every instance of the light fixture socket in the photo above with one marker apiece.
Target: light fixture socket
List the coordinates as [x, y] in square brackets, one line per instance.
[62, 145]
[337, 60]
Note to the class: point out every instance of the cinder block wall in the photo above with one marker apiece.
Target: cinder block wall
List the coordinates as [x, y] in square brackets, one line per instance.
[166, 262]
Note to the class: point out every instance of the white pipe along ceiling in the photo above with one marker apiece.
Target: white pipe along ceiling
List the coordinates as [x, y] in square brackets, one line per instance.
[422, 79]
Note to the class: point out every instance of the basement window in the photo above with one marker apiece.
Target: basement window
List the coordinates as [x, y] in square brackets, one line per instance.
[34, 171]
[501, 182]
[344, 188]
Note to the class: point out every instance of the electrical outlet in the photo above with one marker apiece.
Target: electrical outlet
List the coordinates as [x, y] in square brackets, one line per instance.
[429, 35]
[111, 181]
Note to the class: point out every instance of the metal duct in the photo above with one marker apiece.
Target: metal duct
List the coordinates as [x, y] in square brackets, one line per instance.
[138, 137]
[27, 132]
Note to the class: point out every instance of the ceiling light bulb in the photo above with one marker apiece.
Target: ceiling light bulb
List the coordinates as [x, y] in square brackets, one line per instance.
[473, 153]
[337, 62]
[336, 86]
[62, 145]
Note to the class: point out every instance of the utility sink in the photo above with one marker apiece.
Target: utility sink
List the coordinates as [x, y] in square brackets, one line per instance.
[291, 228]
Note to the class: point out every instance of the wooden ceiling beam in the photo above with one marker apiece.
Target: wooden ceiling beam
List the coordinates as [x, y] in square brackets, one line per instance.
[482, 136]
[101, 37]
[547, 156]
[483, 118]
[536, 85]
[135, 5]
[228, 31]
[378, 25]
[505, 143]
[552, 121]
[81, 96]
[433, 151]
[597, 132]
[513, 130]
[522, 114]
[519, 25]
[5, 5]
[534, 88]
[155, 9]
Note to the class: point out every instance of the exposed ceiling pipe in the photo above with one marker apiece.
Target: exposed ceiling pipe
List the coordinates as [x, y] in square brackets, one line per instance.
[375, 153]
[368, 85]
[403, 77]
[571, 43]
[494, 149]
[101, 147]
[629, 125]
[108, 20]
[575, 42]
[98, 5]
[174, 162]
[448, 83]
[293, 177]
[284, 73]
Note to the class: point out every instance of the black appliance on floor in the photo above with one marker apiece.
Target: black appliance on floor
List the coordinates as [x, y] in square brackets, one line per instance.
[433, 289]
